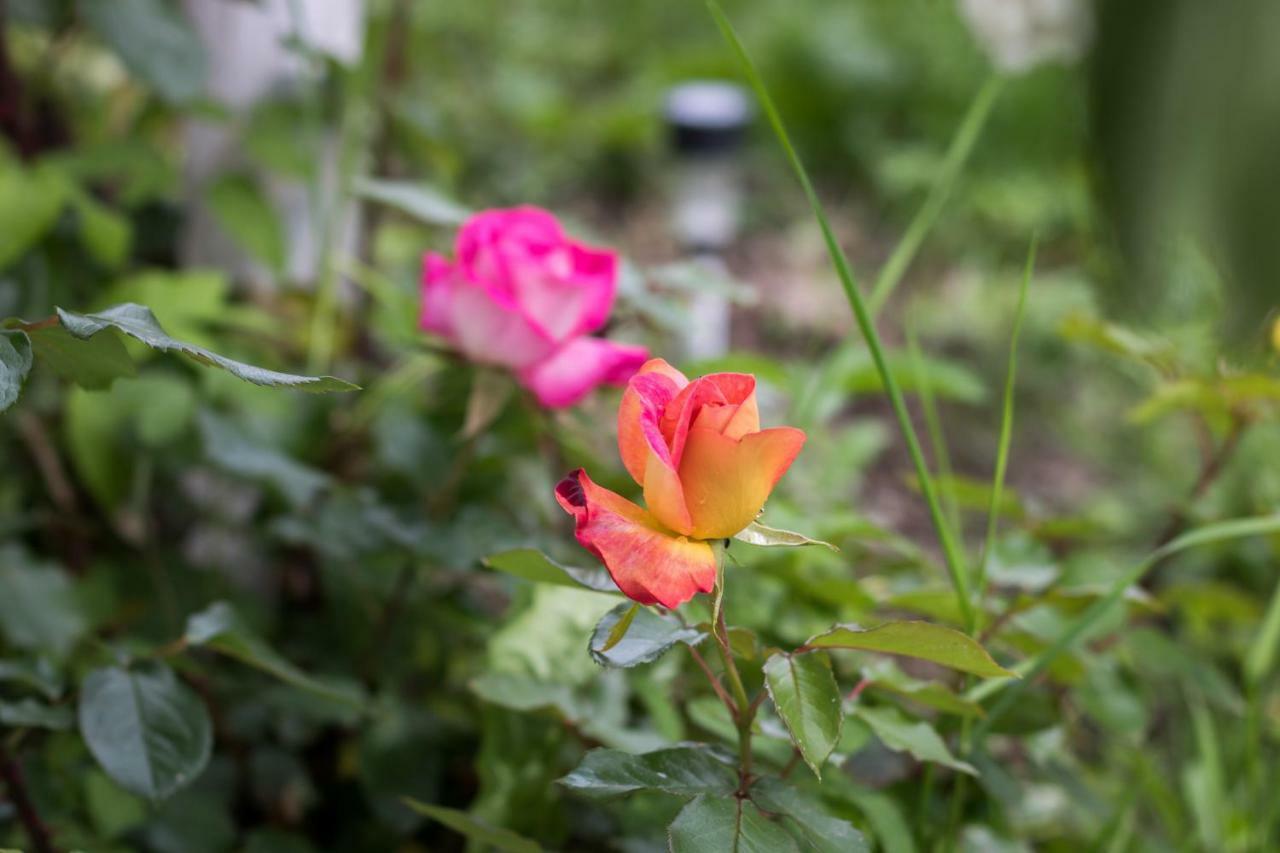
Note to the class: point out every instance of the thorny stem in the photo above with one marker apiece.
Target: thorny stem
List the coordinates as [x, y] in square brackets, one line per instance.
[16, 782]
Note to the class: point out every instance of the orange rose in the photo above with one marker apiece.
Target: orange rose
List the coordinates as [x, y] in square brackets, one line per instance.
[706, 467]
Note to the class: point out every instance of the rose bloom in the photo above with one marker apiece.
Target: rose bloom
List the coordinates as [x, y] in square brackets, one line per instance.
[706, 467]
[522, 295]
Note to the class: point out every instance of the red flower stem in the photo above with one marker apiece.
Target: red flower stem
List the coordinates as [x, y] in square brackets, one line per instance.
[715, 682]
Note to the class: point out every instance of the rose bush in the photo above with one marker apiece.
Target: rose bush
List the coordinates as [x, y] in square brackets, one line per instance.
[522, 295]
[706, 468]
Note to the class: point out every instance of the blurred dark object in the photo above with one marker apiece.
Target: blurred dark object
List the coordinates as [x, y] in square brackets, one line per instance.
[1187, 127]
[708, 122]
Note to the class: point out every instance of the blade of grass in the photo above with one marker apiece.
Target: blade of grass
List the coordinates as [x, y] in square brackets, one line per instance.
[975, 118]
[1223, 531]
[1262, 651]
[951, 553]
[1006, 430]
[922, 222]
[933, 428]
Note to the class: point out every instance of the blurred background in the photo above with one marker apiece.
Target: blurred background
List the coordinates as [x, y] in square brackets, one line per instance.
[267, 174]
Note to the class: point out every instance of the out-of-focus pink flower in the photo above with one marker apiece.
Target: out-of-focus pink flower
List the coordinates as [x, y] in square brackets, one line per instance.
[521, 294]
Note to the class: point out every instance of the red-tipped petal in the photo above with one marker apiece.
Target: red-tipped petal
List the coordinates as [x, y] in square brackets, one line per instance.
[650, 564]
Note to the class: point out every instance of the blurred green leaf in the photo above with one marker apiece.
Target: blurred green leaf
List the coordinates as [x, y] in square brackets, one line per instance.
[726, 825]
[923, 640]
[15, 364]
[230, 449]
[30, 201]
[38, 676]
[112, 809]
[804, 692]
[106, 234]
[912, 736]
[218, 627]
[138, 322]
[93, 364]
[149, 731]
[493, 837]
[155, 42]
[32, 713]
[247, 216]
[533, 565]
[38, 607]
[684, 771]
[649, 637]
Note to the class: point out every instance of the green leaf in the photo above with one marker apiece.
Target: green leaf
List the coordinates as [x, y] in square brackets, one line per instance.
[917, 738]
[38, 606]
[94, 363]
[682, 770]
[727, 825]
[483, 834]
[155, 42]
[30, 202]
[105, 233]
[923, 640]
[247, 216]
[533, 565]
[148, 730]
[217, 627]
[807, 819]
[804, 691]
[15, 364]
[649, 637]
[757, 534]
[138, 322]
[420, 201]
[32, 713]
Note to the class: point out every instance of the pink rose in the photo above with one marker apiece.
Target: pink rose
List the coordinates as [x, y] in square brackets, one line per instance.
[522, 295]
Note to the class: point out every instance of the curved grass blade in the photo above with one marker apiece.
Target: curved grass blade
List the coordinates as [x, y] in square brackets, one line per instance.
[951, 552]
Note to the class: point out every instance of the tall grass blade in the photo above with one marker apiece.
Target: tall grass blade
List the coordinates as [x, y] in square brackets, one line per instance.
[1006, 429]
[954, 558]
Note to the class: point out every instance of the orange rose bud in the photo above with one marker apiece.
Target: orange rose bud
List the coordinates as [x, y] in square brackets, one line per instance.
[706, 468]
